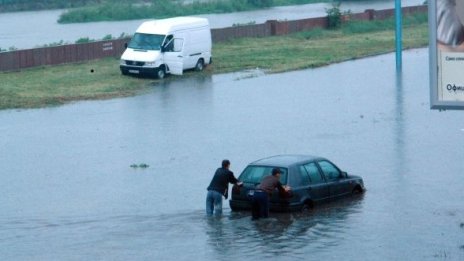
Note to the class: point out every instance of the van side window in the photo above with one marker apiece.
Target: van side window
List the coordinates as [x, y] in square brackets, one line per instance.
[330, 171]
[178, 44]
[169, 43]
[314, 173]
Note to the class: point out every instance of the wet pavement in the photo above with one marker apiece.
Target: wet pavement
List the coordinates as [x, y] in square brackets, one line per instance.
[70, 192]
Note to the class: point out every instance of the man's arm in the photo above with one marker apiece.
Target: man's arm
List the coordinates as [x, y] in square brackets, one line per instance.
[233, 179]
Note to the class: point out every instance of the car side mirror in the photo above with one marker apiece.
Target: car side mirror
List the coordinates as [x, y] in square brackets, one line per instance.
[344, 175]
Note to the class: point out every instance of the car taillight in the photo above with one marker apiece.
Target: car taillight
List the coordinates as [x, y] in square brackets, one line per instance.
[235, 189]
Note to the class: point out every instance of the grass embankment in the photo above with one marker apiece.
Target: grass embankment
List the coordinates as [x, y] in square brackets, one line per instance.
[116, 10]
[56, 85]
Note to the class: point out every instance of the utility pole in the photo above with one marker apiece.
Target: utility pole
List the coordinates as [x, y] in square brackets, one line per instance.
[399, 47]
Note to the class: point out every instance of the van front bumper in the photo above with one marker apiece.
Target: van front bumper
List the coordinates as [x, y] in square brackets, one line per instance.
[137, 70]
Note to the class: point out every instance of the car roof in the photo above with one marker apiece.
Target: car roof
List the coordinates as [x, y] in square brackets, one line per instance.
[285, 160]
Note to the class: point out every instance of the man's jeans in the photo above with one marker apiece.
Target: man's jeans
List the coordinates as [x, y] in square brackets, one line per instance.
[213, 203]
[260, 205]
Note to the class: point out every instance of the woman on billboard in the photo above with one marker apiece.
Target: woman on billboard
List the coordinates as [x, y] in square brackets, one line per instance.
[450, 28]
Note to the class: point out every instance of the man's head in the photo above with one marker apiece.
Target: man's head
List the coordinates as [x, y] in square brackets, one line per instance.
[225, 163]
[276, 171]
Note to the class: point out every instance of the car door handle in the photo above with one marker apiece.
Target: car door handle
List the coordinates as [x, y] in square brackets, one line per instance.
[179, 56]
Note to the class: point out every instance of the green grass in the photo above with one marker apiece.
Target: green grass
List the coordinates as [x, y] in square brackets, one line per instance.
[319, 47]
[55, 85]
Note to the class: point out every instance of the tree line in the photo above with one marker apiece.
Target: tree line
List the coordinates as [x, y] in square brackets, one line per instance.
[29, 5]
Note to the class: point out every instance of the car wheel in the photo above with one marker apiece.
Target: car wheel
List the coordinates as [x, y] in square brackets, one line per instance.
[200, 65]
[161, 72]
[307, 205]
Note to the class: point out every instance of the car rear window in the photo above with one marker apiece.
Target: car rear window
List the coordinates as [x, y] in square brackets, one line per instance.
[254, 174]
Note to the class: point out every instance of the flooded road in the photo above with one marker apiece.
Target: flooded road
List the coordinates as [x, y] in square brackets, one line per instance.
[17, 30]
[69, 191]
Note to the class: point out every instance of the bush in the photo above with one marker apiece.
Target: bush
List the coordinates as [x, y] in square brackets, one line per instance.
[243, 24]
[107, 37]
[334, 16]
[61, 42]
[84, 40]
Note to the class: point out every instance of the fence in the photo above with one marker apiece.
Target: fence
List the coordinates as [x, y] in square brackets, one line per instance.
[20, 59]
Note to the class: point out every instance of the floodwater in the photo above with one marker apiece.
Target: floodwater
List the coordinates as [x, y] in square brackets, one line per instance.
[18, 31]
[69, 191]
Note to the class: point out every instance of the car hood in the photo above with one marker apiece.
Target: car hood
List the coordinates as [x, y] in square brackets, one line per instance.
[140, 55]
[354, 176]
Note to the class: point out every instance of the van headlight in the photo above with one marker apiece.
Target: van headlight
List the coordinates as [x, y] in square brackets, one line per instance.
[122, 62]
[150, 64]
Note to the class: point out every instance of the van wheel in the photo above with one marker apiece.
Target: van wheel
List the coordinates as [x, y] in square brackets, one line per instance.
[200, 65]
[161, 72]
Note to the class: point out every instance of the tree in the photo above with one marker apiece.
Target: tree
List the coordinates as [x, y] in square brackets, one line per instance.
[261, 3]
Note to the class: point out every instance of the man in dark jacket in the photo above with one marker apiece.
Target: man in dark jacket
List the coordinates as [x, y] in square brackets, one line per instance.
[218, 188]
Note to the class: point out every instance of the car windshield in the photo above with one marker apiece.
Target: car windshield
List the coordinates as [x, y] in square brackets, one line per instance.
[146, 41]
[254, 174]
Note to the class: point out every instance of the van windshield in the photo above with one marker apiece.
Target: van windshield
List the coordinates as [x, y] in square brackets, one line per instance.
[146, 41]
[254, 174]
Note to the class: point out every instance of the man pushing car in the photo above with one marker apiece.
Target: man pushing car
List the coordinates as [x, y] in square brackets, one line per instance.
[260, 201]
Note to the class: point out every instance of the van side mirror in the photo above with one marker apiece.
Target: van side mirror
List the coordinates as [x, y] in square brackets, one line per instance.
[125, 45]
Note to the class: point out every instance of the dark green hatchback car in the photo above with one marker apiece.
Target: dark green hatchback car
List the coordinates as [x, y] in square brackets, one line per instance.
[312, 180]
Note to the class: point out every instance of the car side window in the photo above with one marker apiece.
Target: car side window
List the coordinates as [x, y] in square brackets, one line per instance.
[314, 174]
[330, 171]
[303, 177]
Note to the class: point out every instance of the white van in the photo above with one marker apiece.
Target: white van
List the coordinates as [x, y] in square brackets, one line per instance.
[171, 45]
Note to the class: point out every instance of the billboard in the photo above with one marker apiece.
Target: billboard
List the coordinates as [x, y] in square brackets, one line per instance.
[446, 43]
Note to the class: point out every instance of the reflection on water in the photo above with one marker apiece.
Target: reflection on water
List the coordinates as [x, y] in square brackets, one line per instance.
[399, 128]
[193, 234]
[182, 236]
